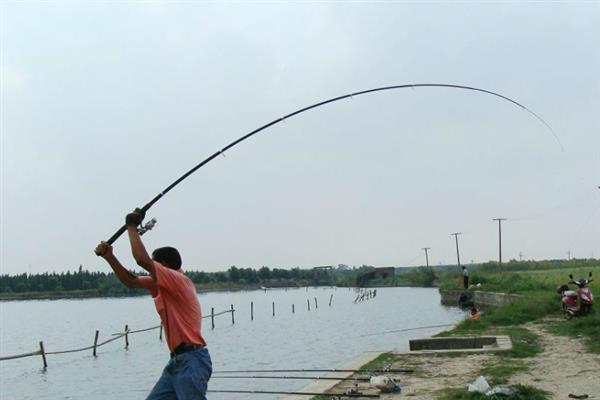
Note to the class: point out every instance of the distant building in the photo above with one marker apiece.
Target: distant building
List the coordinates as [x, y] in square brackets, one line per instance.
[376, 273]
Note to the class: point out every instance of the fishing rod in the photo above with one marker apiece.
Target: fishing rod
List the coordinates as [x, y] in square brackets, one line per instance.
[354, 394]
[222, 151]
[365, 371]
[331, 378]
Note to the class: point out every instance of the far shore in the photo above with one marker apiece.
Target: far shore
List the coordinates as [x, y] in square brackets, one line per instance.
[93, 294]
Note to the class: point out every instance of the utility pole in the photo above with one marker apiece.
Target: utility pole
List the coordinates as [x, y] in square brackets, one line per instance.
[499, 239]
[455, 234]
[426, 255]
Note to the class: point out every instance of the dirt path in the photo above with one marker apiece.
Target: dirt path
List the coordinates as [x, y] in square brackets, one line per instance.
[563, 367]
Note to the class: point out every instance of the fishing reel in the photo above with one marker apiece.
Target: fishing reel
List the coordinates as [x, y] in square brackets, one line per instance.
[146, 227]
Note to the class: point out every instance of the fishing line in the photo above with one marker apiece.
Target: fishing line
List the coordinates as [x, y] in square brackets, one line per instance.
[222, 151]
[554, 208]
[586, 222]
[407, 329]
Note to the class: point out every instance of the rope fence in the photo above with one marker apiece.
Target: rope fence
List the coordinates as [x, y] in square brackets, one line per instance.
[116, 336]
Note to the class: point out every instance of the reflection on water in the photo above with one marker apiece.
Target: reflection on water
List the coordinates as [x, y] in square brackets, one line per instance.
[326, 337]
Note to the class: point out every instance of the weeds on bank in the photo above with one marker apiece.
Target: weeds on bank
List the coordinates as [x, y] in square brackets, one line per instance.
[524, 281]
[498, 374]
[515, 313]
[523, 392]
[383, 360]
[587, 326]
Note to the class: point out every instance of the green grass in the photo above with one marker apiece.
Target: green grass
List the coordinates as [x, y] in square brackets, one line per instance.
[518, 281]
[587, 326]
[538, 288]
[499, 373]
[380, 362]
[524, 342]
[518, 312]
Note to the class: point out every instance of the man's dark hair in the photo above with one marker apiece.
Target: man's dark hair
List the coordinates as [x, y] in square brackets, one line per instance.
[167, 256]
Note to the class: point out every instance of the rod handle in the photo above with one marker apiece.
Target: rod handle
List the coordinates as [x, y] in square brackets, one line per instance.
[118, 233]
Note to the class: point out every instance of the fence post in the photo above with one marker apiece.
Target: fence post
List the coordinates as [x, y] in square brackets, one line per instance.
[251, 311]
[308, 304]
[232, 317]
[273, 308]
[212, 317]
[160, 332]
[96, 341]
[316, 304]
[330, 298]
[126, 336]
[43, 354]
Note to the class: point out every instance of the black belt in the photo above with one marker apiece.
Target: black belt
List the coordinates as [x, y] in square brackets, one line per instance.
[184, 348]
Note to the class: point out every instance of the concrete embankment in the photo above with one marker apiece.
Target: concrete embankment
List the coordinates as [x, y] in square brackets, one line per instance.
[480, 299]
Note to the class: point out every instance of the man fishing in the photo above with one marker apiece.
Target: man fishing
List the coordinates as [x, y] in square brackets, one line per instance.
[186, 375]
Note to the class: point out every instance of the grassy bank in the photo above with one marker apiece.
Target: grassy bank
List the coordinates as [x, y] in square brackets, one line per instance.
[538, 289]
[538, 301]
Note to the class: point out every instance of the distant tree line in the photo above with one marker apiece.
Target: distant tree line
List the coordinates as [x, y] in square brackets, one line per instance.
[86, 283]
[107, 284]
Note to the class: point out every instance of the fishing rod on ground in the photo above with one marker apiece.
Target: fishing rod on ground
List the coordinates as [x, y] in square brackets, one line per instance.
[365, 371]
[222, 151]
[316, 378]
[351, 394]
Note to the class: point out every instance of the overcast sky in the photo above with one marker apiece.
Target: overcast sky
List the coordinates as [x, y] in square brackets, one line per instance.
[104, 104]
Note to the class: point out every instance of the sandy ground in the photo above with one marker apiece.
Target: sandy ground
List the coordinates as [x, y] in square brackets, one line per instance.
[562, 368]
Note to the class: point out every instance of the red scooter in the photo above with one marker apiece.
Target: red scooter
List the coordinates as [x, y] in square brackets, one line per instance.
[579, 302]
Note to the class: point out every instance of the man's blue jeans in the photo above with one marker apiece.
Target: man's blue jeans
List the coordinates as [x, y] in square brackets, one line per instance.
[184, 378]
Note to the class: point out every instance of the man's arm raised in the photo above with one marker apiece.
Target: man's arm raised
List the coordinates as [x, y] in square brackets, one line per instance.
[138, 250]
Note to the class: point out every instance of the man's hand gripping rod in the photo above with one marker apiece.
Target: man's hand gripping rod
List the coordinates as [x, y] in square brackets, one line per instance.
[142, 228]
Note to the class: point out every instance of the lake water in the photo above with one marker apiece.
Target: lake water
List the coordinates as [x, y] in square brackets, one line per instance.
[327, 337]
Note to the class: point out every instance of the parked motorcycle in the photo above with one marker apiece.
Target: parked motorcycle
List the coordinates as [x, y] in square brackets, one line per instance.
[577, 302]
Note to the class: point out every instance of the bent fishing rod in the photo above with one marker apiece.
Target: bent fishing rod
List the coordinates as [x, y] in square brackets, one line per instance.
[222, 151]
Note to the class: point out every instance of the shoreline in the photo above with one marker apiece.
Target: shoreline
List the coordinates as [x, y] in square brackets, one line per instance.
[93, 294]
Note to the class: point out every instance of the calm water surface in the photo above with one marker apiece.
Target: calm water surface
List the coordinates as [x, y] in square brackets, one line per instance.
[327, 337]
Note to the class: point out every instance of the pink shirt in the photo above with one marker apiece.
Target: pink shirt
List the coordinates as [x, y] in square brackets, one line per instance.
[177, 304]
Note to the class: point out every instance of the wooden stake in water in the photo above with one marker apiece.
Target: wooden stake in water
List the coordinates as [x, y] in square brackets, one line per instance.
[232, 317]
[126, 336]
[293, 311]
[330, 298]
[43, 354]
[308, 304]
[160, 332]
[96, 342]
[273, 308]
[212, 317]
[251, 311]
[316, 304]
